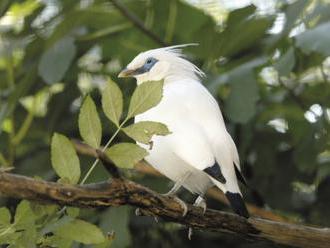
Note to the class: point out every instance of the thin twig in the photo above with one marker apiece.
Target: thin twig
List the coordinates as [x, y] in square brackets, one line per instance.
[137, 22]
[108, 164]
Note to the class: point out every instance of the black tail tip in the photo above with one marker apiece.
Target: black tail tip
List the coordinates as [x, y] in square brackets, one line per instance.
[237, 204]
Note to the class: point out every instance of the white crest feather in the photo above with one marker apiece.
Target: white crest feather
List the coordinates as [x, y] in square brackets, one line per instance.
[174, 55]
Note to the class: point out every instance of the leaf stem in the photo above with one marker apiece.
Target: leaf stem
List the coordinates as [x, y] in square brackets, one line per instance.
[25, 126]
[103, 149]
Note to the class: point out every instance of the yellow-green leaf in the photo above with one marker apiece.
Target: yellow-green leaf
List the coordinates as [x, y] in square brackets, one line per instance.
[81, 231]
[64, 158]
[4, 217]
[112, 102]
[89, 123]
[24, 214]
[126, 155]
[145, 96]
[144, 130]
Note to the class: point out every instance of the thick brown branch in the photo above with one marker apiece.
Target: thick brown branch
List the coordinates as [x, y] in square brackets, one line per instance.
[215, 193]
[137, 22]
[122, 191]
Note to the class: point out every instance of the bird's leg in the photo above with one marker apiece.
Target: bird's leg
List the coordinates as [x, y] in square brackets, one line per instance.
[174, 189]
[172, 193]
[201, 203]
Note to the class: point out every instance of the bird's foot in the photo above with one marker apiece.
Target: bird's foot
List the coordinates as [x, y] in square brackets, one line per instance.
[201, 203]
[182, 204]
[178, 200]
[190, 233]
[138, 212]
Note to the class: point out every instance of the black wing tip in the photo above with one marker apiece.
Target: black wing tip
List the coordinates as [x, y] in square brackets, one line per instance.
[215, 172]
[237, 204]
[240, 176]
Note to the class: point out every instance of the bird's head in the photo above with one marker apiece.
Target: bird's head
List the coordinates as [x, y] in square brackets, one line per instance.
[161, 63]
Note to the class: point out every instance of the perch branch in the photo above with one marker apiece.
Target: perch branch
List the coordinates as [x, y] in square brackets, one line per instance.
[215, 193]
[137, 22]
[124, 192]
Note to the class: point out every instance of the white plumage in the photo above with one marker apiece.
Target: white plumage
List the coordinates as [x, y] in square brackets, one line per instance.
[199, 153]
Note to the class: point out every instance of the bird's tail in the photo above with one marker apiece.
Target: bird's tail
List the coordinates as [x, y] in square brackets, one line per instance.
[237, 204]
[235, 199]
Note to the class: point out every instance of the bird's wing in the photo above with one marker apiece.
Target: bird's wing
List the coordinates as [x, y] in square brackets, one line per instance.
[208, 132]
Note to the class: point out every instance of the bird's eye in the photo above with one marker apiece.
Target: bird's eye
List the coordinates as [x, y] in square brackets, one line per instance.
[149, 61]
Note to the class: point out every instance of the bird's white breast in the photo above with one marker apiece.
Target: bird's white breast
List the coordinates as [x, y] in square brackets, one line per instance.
[182, 112]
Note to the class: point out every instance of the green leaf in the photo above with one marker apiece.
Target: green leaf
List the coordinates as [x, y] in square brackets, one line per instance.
[73, 212]
[241, 102]
[315, 40]
[286, 63]
[241, 14]
[126, 155]
[145, 96]
[41, 210]
[81, 231]
[24, 215]
[89, 123]
[5, 216]
[119, 223]
[56, 60]
[144, 130]
[252, 30]
[292, 13]
[38, 103]
[112, 102]
[64, 158]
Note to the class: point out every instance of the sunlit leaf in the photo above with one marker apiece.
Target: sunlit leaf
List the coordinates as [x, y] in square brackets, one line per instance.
[64, 158]
[145, 96]
[126, 155]
[89, 123]
[315, 40]
[144, 130]
[112, 102]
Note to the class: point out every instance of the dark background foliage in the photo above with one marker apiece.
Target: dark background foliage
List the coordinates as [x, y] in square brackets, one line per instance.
[268, 69]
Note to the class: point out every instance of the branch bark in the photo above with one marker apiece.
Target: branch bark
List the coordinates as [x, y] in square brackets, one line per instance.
[215, 193]
[137, 22]
[121, 191]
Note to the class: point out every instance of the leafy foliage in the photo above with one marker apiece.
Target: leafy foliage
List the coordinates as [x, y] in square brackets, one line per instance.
[126, 155]
[64, 159]
[146, 96]
[112, 102]
[90, 124]
[144, 130]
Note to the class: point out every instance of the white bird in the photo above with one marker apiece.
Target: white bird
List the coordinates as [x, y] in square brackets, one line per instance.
[199, 153]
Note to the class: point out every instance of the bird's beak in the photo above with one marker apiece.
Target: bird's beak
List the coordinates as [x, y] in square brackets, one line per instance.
[126, 73]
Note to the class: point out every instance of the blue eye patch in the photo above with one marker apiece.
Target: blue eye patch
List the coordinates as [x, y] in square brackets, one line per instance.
[150, 62]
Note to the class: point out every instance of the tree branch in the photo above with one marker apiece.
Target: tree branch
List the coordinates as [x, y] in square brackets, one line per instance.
[215, 193]
[124, 192]
[137, 22]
